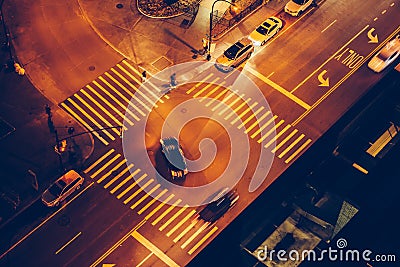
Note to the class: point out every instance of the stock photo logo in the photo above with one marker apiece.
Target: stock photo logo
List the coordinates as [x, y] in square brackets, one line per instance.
[200, 122]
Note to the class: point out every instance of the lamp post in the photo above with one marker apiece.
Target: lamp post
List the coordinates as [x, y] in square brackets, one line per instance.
[211, 21]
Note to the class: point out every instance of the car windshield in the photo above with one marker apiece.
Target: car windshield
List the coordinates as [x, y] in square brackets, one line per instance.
[55, 189]
[232, 51]
[300, 2]
[383, 55]
[261, 30]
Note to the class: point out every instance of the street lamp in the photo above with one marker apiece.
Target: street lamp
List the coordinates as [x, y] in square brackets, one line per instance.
[211, 19]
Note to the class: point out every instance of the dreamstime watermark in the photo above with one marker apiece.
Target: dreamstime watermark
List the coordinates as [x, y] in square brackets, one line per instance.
[330, 254]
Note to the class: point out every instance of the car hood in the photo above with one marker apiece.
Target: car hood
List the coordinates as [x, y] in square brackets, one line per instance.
[376, 64]
[223, 60]
[256, 36]
[48, 197]
[292, 6]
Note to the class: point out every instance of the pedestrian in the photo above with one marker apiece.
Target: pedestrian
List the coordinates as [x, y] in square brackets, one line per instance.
[144, 76]
[173, 82]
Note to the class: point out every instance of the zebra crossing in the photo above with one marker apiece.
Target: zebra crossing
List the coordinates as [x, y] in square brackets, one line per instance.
[179, 223]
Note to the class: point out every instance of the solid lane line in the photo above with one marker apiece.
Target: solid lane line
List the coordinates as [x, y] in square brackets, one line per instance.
[69, 242]
[99, 160]
[328, 26]
[144, 260]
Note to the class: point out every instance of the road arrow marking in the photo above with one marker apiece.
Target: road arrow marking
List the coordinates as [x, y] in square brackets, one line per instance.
[108, 265]
[323, 82]
[373, 39]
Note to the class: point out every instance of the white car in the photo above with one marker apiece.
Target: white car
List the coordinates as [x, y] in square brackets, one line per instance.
[297, 7]
[266, 31]
[386, 55]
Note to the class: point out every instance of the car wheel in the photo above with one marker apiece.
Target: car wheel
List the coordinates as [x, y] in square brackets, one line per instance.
[263, 43]
[231, 68]
[248, 56]
[300, 12]
[57, 203]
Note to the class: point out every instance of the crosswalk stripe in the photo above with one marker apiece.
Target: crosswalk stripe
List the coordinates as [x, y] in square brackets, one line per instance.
[159, 207]
[193, 249]
[111, 171]
[192, 237]
[124, 107]
[105, 165]
[217, 97]
[173, 217]
[145, 196]
[159, 218]
[284, 140]
[118, 186]
[237, 108]
[104, 120]
[270, 130]
[210, 93]
[298, 151]
[257, 122]
[118, 176]
[223, 101]
[103, 109]
[230, 105]
[277, 135]
[199, 83]
[179, 224]
[151, 202]
[131, 185]
[84, 123]
[205, 88]
[184, 232]
[244, 113]
[141, 188]
[262, 128]
[99, 160]
[250, 117]
[110, 105]
[291, 146]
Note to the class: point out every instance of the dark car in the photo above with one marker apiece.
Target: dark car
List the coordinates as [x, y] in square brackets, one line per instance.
[175, 158]
[225, 200]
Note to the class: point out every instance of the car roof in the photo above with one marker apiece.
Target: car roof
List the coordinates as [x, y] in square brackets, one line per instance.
[244, 42]
[69, 177]
[172, 152]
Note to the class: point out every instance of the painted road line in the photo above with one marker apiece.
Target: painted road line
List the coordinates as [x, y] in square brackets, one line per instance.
[257, 122]
[277, 136]
[217, 97]
[105, 165]
[279, 88]
[118, 186]
[83, 122]
[103, 109]
[110, 105]
[329, 59]
[329, 25]
[298, 151]
[186, 230]
[145, 196]
[104, 120]
[223, 101]
[131, 186]
[210, 93]
[205, 88]
[144, 260]
[237, 108]
[193, 249]
[111, 171]
[124, 107]
[173, 217]
[192, 237]
[250, 117]
[69, 242]
[151, 202]
[150, 246]
[270, 131]
[284, 140]
[263, 127]
[230, 105]
[141, 188]
[159, 206]
[291, 146]
[190, 214]
[199, 83]
[99, 160]
[244, 113]
[159, 218]
[118, 176]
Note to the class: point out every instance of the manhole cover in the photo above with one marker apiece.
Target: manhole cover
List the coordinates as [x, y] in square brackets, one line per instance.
[162, 63]
[119, 5]
[92, 68]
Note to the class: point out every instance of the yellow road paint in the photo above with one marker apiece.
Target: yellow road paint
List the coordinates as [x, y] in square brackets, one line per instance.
[237, 108]
[151, 202]
[257, 122]
[131, 186]
[205, 88]
[83, 122]
[195, 247]
[118, 186]
[159, 206]
[230, 105]
[69, 242]
[118, 176]
[144, 260]
[150, 246]
[284, 140]
[141, 188]
[250, 117]
[145, 196]
[99, 160]
[159, 218]
[223, 101]
[210, 93]
[279, 88]
[360, 168]
[192, 237]
[291, 146]
[217, 97]
[179, 224]
[298, 151]
[185, 231]
[111, 171]
[105, 165]
[244, 112]
[263, 127]
[277, 136]
[110, 105]
[173, 217]
[199, 83]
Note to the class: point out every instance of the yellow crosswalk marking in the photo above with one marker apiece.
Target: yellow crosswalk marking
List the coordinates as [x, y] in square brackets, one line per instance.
[237, 109]
[192, 237]
[173, 217]
[223, 101]
[159, 218]
[291, 146]
[205, 87]
[263, 127]
[193, 249]
[118, 186]
[277, 136]
[141, 188]
[250, 117]
[199, 83]
[99, 160]
[298, 151]
[257, 122]
[118, 176]
[106, 165]
[284, 140]
[230, 105]
[210, 93]
[244, 112]
[159, 206]
[217, 97]
[145, 196]
[184, 232]
[151, 202]
[270, 130]
[111, 171]
[179, 224]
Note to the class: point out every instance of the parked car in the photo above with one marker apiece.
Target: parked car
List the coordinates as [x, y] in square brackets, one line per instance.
[62, 188]
[266, 31]
[297, 7]
[175, 158]
[223, 202]
[235, 55]
[385, 56]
